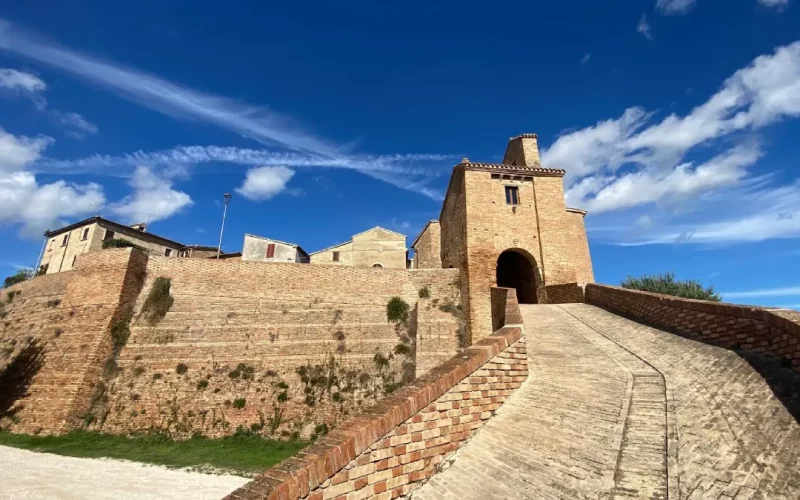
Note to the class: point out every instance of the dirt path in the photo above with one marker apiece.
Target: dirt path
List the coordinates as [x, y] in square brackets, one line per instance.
[29, 475]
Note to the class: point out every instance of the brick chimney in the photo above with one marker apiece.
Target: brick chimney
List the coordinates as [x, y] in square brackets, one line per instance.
[523, 150]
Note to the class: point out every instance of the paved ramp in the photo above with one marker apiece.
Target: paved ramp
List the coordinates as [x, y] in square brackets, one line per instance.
[616, 409]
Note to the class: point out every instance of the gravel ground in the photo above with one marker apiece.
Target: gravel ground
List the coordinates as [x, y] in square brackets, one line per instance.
[27, 475]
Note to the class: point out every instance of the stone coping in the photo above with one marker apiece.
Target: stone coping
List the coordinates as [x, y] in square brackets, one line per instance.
[295, 477]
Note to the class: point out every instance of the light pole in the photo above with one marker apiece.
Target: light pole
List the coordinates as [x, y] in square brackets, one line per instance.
[227, 197]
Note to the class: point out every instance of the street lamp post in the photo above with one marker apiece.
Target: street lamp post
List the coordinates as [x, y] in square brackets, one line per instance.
[227, 197]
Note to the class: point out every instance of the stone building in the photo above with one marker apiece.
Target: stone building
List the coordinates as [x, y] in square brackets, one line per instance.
[260, 249]
[507, 225]
[65, 244]
[376, 247]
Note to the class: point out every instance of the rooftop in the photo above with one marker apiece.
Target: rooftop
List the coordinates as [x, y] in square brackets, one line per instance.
[549, 172]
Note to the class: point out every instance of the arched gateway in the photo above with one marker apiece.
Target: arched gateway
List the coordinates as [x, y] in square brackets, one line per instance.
[517, 269]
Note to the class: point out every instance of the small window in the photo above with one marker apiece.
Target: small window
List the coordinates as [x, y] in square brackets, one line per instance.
[85, 234]
[167, 252]
[336, 256]
[65, 240]
[512, 195]
[377, 266]
[271, 250]
[108, 236]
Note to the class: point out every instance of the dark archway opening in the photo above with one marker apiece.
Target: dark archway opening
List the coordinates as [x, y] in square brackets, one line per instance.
[515, 270]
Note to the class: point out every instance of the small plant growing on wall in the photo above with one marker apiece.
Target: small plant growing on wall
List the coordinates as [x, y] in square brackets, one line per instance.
[181, 369]
[120, 331]
[202, 384]
[397, 310]
[120, 243]
[424, 292]
[239, 403]
[158, 301]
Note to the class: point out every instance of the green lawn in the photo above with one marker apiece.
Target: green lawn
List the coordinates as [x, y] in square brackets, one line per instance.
[243, 455]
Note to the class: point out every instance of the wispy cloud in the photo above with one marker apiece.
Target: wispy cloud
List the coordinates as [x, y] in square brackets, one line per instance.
[411, 172]
[585, 59]
[644, 27]
[13, 79]
[673, 7]
[790, 291]
[256, 122]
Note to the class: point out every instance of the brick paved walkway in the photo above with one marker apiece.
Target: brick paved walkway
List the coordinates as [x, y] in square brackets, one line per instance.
[616, 409]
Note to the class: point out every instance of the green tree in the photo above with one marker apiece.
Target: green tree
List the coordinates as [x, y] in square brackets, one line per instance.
[667, 284]
[20, 276]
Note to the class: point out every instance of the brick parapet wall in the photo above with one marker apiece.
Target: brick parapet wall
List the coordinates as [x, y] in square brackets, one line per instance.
[393, 446]
[772, 332]
[505, 308]
[570, 293]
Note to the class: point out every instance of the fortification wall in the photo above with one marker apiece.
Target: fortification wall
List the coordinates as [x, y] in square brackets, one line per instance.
[271, 319]
[769, 331]
[68, 315]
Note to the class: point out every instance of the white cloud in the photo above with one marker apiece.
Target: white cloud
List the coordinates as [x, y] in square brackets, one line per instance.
[256, 122]
[152, 199]
[33, 87]
[16, 152]
[79, 126]
[672, 7]
[644, 27]
[263, 183]
[41, 207]
[764, 92]
[651, 185]
[790, 291]
[18, 80]
[37, 207]
[412, 172]
[777, 4]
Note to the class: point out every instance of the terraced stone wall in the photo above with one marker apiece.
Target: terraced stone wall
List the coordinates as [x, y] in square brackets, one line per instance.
[280, 348]
[774, 332]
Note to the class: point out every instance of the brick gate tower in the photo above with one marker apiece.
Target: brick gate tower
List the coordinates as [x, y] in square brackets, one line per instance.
[507, 225]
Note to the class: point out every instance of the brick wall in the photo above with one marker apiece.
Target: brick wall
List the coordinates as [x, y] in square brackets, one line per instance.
[427, 249]
[769, 331]
[505, 308]
[571, 293]
[390, 449]
[70, 314]
[275, 318]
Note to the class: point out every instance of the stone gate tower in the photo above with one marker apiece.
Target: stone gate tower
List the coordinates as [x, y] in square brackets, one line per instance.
[507, 225]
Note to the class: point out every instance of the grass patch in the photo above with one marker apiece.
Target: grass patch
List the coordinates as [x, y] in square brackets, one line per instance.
[158, 301]
[246, 455]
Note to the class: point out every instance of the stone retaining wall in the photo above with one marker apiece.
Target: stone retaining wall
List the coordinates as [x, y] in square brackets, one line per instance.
[775, 332]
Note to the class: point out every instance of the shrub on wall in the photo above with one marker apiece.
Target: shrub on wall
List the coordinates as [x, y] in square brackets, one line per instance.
[667, 284]
[424, 292]
[120, 243]
[20, 276]
[158, 301]
[397, 310]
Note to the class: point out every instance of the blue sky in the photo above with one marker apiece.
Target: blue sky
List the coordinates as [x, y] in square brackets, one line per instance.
[677, 122]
